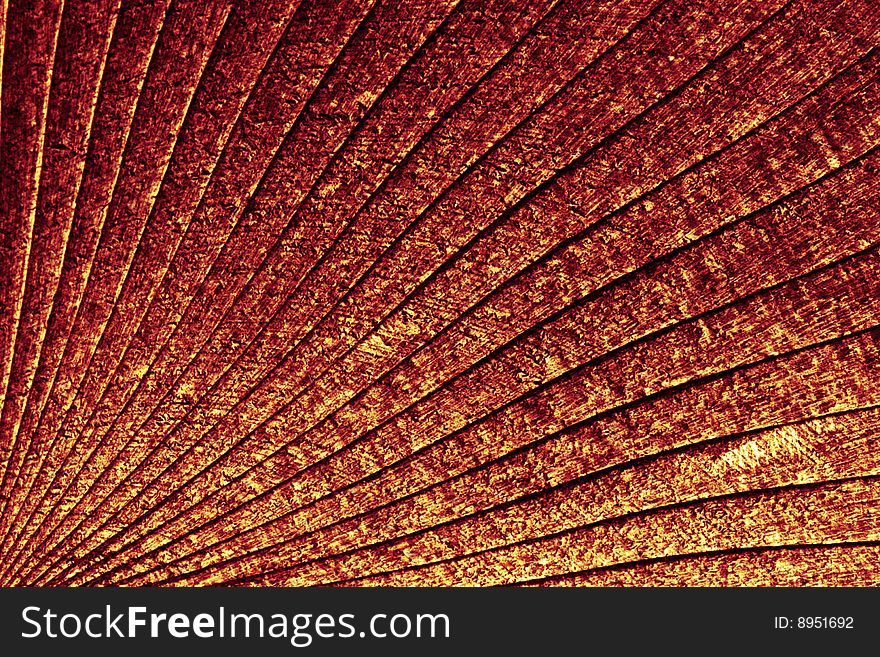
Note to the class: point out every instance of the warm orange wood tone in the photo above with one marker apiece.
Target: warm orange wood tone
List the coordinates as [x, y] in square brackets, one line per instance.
[410, 292]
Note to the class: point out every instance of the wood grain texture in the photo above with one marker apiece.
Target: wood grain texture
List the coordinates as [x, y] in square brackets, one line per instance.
[419, 292]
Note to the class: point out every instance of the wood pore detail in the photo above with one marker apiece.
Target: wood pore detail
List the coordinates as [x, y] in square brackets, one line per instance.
[439, 292]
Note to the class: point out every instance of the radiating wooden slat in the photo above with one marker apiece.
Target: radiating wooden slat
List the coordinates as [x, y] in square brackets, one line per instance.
[405, 292]
[813, 565]
[174, 73]
[130, 52]
[210, 117]
[30, 37]
[832, 513]
[310, 486]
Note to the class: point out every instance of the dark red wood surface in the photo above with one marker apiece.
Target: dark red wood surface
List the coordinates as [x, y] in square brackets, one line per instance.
[422, 292]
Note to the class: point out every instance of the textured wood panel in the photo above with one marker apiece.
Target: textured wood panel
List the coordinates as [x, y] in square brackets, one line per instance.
[407, 292]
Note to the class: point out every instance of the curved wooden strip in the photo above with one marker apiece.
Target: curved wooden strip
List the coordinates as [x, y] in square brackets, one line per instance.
[831, 513]
[798, 565]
